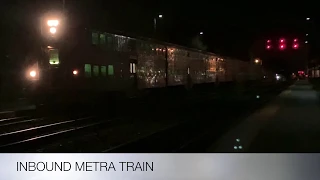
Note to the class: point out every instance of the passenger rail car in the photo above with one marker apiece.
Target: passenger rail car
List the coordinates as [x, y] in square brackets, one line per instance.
[97, 62]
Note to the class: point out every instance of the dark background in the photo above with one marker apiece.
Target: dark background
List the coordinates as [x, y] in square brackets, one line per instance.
[236, 29]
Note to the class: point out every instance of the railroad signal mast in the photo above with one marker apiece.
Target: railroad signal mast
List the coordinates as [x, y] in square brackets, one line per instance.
[268, 46]
[282, 44]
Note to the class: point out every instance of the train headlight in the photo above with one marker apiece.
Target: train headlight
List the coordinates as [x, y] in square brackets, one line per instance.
[33, 74]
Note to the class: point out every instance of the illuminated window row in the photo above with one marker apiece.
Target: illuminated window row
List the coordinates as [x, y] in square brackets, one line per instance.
[114, 42]
[125, 44]
[95, 70]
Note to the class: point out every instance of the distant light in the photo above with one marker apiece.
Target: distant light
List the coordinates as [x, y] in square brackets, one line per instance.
[307, 19]
[268, 47]
[306, 42]
[201, 33]
[307, 34]
[53, 30]
[258, 97]
[160, 16]
[33, 73]
[256, 61]
[52, 23]
[235, 147]
[281, 40]
[282, 46]
[238, 140]
[295, 40]
[240, 147]
[268, 41]
[277, 77]
[75, 72]
[295, 46]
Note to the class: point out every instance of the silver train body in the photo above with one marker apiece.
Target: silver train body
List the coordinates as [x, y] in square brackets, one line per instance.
[89, 62]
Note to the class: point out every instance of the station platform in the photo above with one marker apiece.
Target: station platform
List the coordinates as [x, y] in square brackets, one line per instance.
[290, 123]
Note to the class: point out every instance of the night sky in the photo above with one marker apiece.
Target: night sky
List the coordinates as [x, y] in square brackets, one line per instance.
[229, 28]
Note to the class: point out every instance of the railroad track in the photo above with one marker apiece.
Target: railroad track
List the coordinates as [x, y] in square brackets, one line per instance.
[44, 131]
[25, 132]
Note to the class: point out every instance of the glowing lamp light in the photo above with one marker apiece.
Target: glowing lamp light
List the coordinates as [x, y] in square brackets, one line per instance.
[74, 72]
[282, 46]
[295, 46]
[282, 40]
[295, 40]
[33, 73]
[268, 47]
[52, 23]
[53, 30]
[268, 41]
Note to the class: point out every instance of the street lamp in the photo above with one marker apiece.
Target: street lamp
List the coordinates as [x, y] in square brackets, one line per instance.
[53, 30]
[201, 33]
[307, 19]
[53, 25]
[160, 16]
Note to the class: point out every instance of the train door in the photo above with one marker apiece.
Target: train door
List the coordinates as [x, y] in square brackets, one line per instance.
[133, 73]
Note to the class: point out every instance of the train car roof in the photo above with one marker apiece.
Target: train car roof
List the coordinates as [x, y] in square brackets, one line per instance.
[130, 35]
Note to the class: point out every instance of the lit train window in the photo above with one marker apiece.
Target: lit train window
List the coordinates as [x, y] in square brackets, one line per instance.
[110, 70]
[95, 38]
[87, 70]
[102, 39]
[96, 70]
[133, 68]
[103, 70]
[54, 56]
[109, 40]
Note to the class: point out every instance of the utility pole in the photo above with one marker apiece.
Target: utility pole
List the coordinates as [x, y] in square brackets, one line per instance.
[63, 5]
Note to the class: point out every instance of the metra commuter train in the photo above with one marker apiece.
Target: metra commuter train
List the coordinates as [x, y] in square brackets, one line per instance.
[74, 60]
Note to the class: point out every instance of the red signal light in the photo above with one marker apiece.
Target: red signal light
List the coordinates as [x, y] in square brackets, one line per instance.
[268, 47]
[295, 40]
[268, 41]
[295, 46]
[281, 40]
[282, 46]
